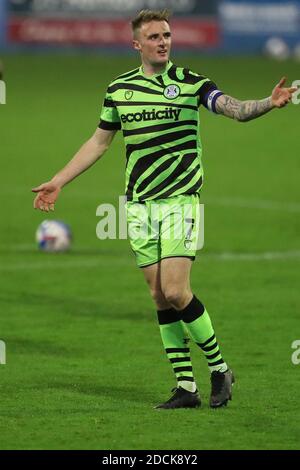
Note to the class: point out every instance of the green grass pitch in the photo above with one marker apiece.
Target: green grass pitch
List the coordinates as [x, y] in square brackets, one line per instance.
[85, 363]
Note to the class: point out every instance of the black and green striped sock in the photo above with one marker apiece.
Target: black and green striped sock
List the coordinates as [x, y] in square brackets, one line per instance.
[200, 328]
[175, 340]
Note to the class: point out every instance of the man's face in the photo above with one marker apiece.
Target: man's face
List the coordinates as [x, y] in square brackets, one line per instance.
[153, 40]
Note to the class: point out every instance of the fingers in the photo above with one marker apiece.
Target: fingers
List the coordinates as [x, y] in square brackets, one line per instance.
[46, 197]
[285, 102]
[282, 82]
[283, 96]
[43, 205]
[49, 187]
[38, 188]
[36, 202]
[292, 90]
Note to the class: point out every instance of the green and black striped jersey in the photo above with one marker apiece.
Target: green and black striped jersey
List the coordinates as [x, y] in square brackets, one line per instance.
[159, 118]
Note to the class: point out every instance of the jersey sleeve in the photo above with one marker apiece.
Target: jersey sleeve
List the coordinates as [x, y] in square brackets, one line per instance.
[208, 94]
[109, 118]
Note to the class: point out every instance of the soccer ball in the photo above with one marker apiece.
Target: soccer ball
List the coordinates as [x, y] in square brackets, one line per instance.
[277, 48]
[53, 236]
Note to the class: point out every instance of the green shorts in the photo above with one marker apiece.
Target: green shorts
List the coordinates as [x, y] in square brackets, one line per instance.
[164, 228]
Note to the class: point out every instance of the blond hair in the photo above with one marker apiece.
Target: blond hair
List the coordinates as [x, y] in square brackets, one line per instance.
[145, 16]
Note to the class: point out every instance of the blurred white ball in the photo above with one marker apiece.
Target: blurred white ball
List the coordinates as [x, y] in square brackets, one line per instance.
[53, 236]
[277, 48]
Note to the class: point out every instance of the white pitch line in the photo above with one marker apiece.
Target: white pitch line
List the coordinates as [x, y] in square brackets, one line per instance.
[292, 207]
[66, 264]
[264, 256]
[94, 263]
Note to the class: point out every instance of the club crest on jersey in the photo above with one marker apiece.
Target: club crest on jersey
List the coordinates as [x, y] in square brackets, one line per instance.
[171, 92]
[128, 94]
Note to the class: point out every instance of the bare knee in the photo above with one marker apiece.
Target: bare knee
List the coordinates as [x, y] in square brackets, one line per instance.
[159, 299]
[179, 298]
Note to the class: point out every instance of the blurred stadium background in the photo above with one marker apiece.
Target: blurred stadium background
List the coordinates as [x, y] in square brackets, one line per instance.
[85, 363]
[231, 26]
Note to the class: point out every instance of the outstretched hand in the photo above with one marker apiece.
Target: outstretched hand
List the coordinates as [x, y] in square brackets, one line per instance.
[46, 197]
[282, 96]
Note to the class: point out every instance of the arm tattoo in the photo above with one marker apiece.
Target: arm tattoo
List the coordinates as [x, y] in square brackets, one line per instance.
[243, 110]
